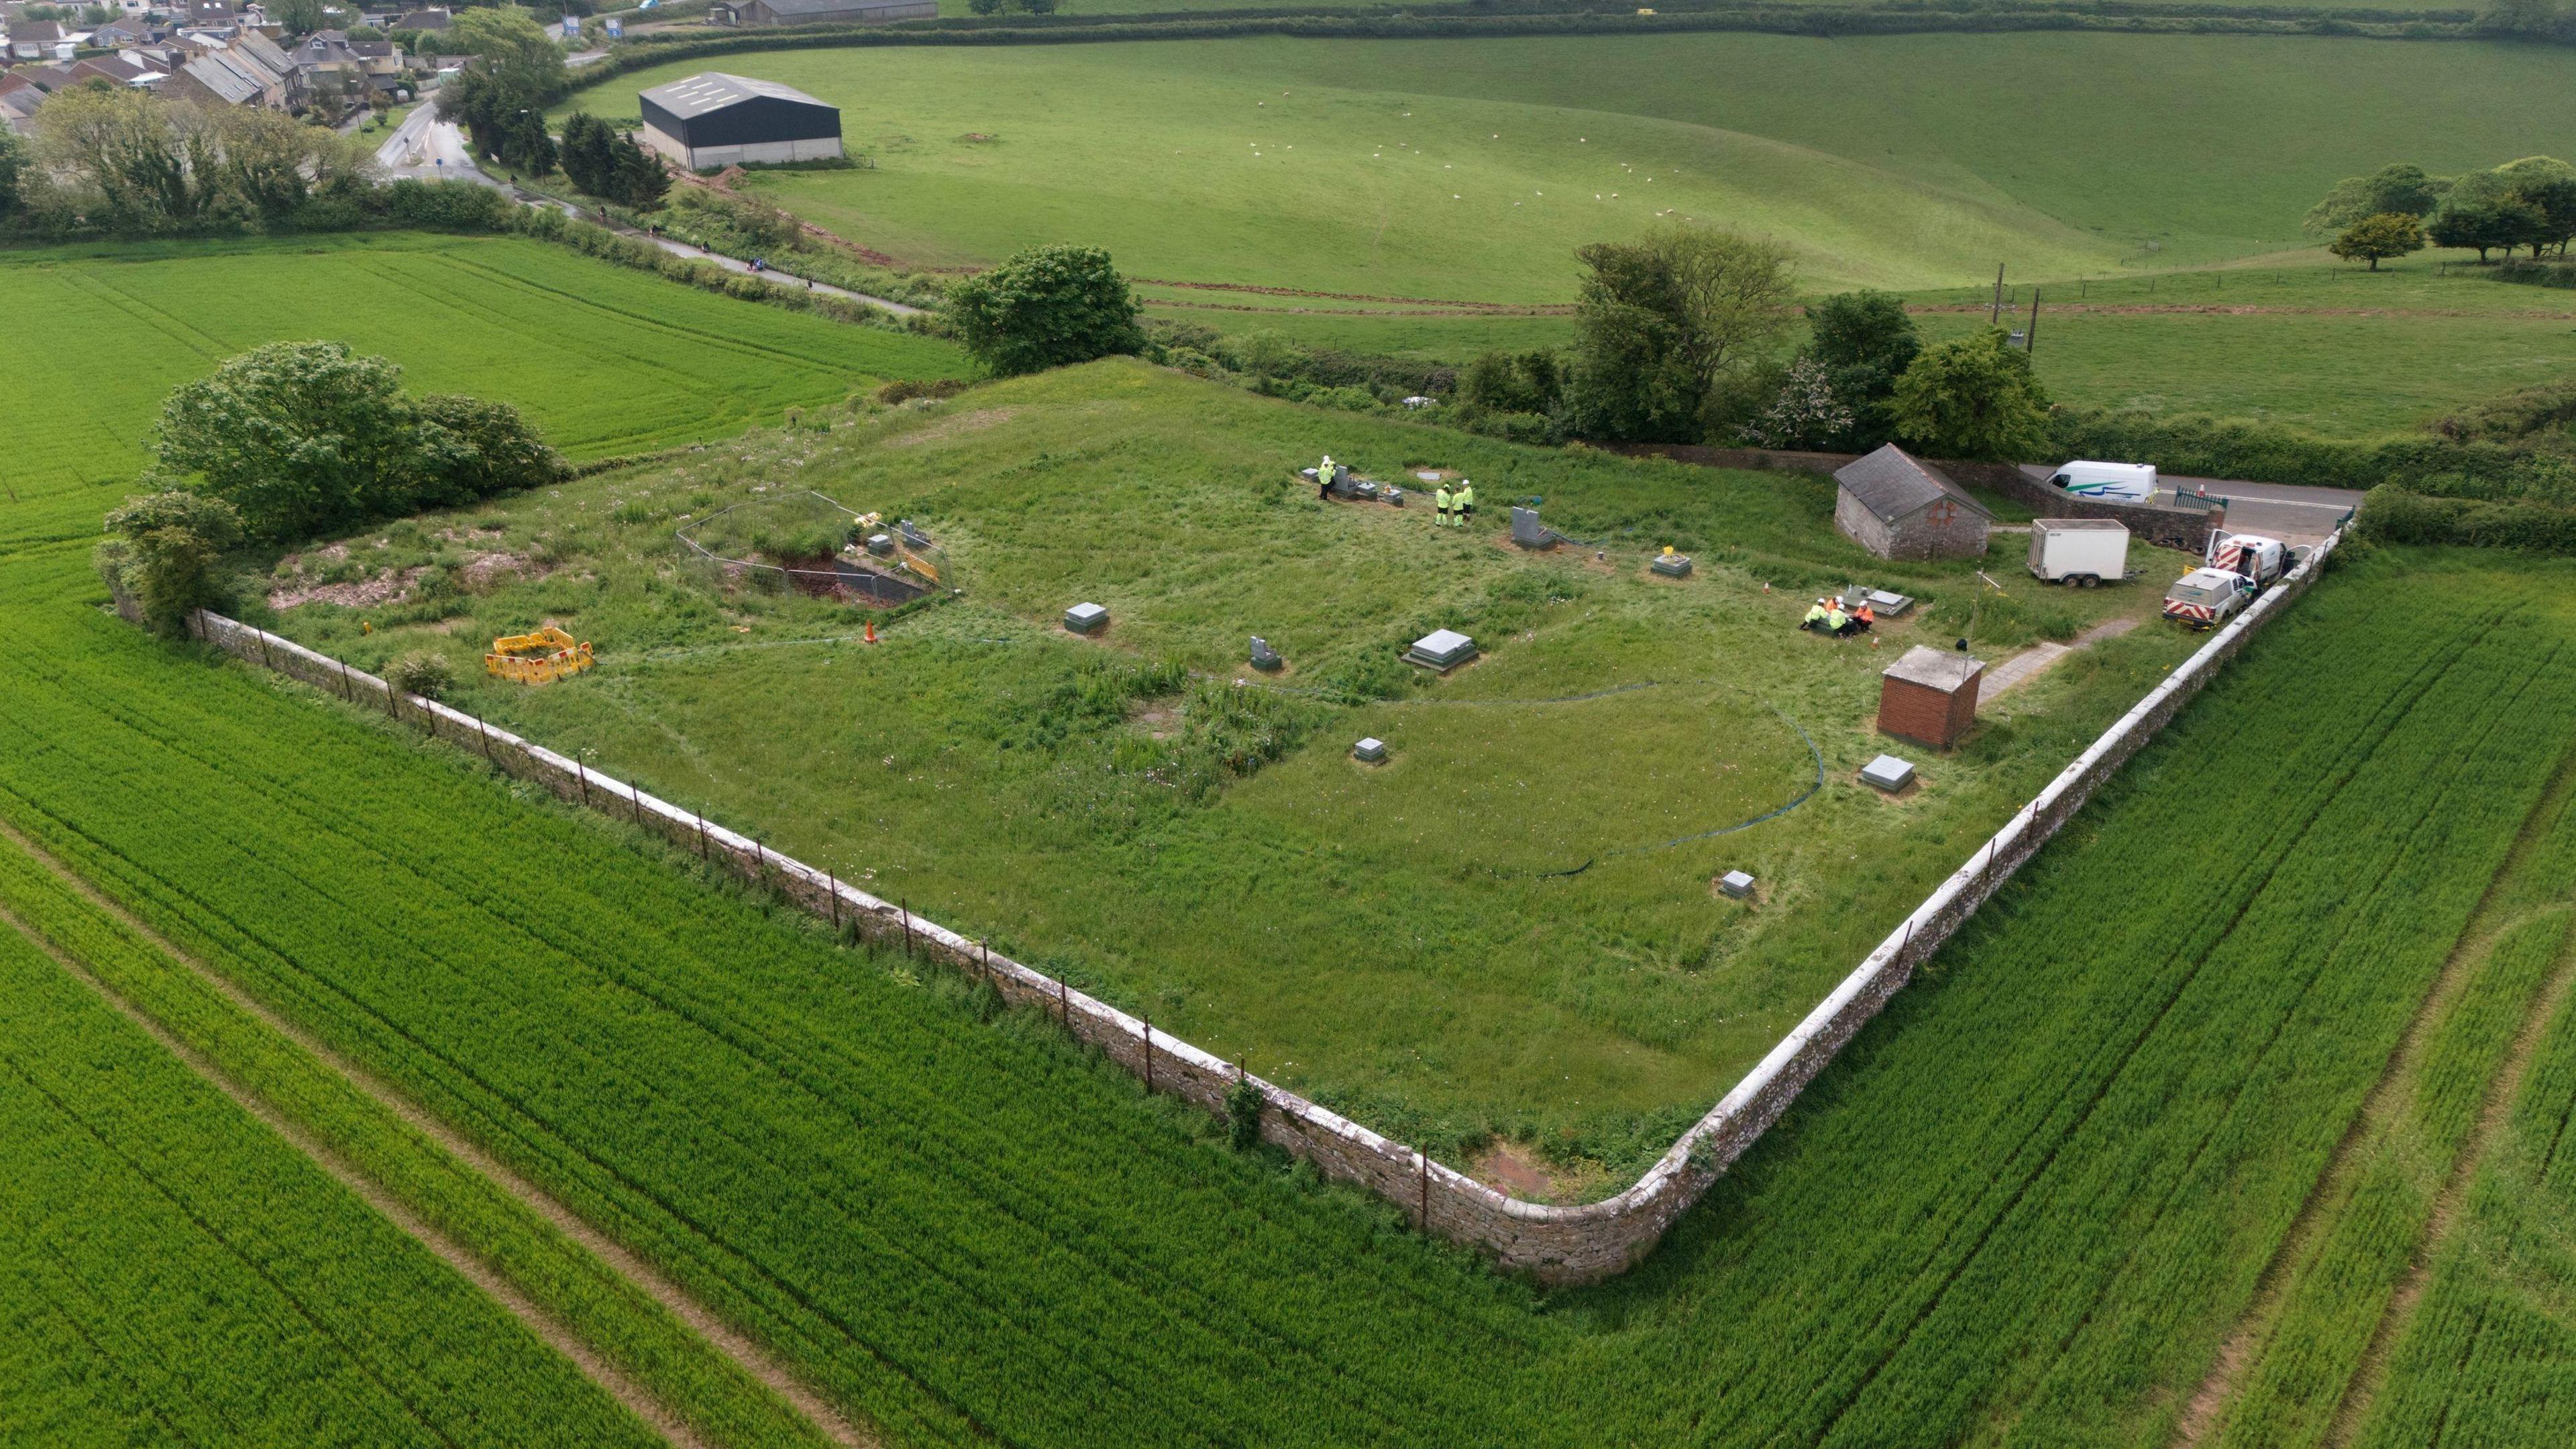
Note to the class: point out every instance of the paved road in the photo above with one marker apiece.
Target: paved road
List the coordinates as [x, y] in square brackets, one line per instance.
[2288, 512]
[427, 148]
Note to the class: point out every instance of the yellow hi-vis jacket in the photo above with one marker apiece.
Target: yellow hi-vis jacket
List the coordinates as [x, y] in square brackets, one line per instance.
[1815, 614]
[1443, 498]
[1466, 495]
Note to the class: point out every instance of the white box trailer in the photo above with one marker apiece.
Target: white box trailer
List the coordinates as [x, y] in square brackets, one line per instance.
[2082, 552]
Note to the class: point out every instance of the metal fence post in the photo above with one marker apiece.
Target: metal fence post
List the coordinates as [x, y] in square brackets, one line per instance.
[906, 907]
[581, 773]
[1064, 1002]
[1149, 1056]
[702, 833]
[484, 732]
[834, 882]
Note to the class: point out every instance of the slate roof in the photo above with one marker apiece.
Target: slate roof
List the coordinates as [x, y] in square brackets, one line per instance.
[1892, 483]
[715, 90]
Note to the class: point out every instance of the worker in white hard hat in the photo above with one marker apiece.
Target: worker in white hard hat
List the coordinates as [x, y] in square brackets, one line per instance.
[1465, 501]
[1324, 477]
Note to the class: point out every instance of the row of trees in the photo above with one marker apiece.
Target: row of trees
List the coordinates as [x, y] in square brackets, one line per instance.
[2398, 208]
[1678, 338]
[113, 158]
[611, 166]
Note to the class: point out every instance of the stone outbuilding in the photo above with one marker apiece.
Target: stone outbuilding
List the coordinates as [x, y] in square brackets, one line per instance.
[1929, 696]
[1898, 506]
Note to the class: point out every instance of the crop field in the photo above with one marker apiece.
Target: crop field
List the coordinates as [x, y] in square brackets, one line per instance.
[2036, 1197]
[1472, 169]
[1506, 930]
[172, 1272]
[604, 361]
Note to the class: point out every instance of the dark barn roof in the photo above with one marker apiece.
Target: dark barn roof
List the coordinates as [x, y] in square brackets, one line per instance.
[1892, 483]
[716, 109]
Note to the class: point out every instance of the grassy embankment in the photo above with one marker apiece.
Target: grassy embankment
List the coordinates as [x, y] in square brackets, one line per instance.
[1396, 940]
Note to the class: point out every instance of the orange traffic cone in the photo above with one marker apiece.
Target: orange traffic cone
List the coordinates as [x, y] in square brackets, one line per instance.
[872, 631]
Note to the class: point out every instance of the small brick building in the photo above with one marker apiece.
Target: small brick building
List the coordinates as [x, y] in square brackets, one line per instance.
[1929, 696]
[1898, 506]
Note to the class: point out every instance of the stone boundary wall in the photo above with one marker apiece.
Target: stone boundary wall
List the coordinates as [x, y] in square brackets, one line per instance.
[2180, 524]
[1553, 1244]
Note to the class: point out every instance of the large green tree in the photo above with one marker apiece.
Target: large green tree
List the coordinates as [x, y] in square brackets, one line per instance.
[1668, 327]
[2374, 238]
[13, 169]
[501, 97]
[1046, 307]
[1862, 342]
[1973, 397]
[2400, 188]
[306, 438]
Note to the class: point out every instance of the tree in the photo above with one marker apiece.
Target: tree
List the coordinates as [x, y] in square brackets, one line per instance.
[2399, 188]
[297, 17]
[1040, 7]
[1046, 307]
[501, 97]
[2468, 222]
[1864, 341]
[1500, 382]
[590, 154]
[985, 7]
[1268, 352]
[641, 180]
[1805, 413]
[303, 438]
[13, 170]
[164, 551]
[2388, 234]
[1666, 326]
[1973, 397]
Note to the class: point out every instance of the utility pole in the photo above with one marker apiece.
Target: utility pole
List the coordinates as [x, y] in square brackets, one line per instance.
[1995, 317]
[2030, 339]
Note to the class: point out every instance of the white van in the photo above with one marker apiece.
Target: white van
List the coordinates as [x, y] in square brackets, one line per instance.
[2110, 482]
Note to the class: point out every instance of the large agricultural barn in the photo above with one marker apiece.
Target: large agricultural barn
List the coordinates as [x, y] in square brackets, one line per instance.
[715, 119]
[819, 12]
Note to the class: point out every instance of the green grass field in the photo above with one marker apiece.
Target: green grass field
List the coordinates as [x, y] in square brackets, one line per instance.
[1395, 940]
[2031, 1201]
[171, 1271]
[1415, 168]
[604, 361]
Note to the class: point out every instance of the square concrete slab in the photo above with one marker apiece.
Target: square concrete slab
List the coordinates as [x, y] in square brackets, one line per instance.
[1441, 649]
[1672, 565]
[1888, 773]
[1086, 618]
[1737, 884]
[1371, 750]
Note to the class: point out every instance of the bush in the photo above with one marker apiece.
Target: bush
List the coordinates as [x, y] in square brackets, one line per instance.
[428, 675]
[164, 553]
[2393, 515]
[2211, 447]
[1243, 1115]
[1049, 306]
[906, 389]
[448, 206]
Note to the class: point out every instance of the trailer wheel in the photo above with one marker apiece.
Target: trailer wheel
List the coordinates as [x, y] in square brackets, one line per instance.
[2085, 581]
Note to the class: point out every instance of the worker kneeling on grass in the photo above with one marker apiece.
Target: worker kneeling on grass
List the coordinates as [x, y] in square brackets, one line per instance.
[1863, 618]
[1837, 623]
[1815, 616]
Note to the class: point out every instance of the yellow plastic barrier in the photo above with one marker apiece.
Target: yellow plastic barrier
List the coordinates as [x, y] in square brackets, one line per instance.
[539, 658]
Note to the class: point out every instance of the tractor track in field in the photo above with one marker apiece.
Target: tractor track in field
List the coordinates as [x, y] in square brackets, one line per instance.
[2205, 1412]
[547, 1329]
[753, 1359]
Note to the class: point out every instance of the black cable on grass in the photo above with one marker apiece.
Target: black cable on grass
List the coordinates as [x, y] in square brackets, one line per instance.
[1804, 796]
